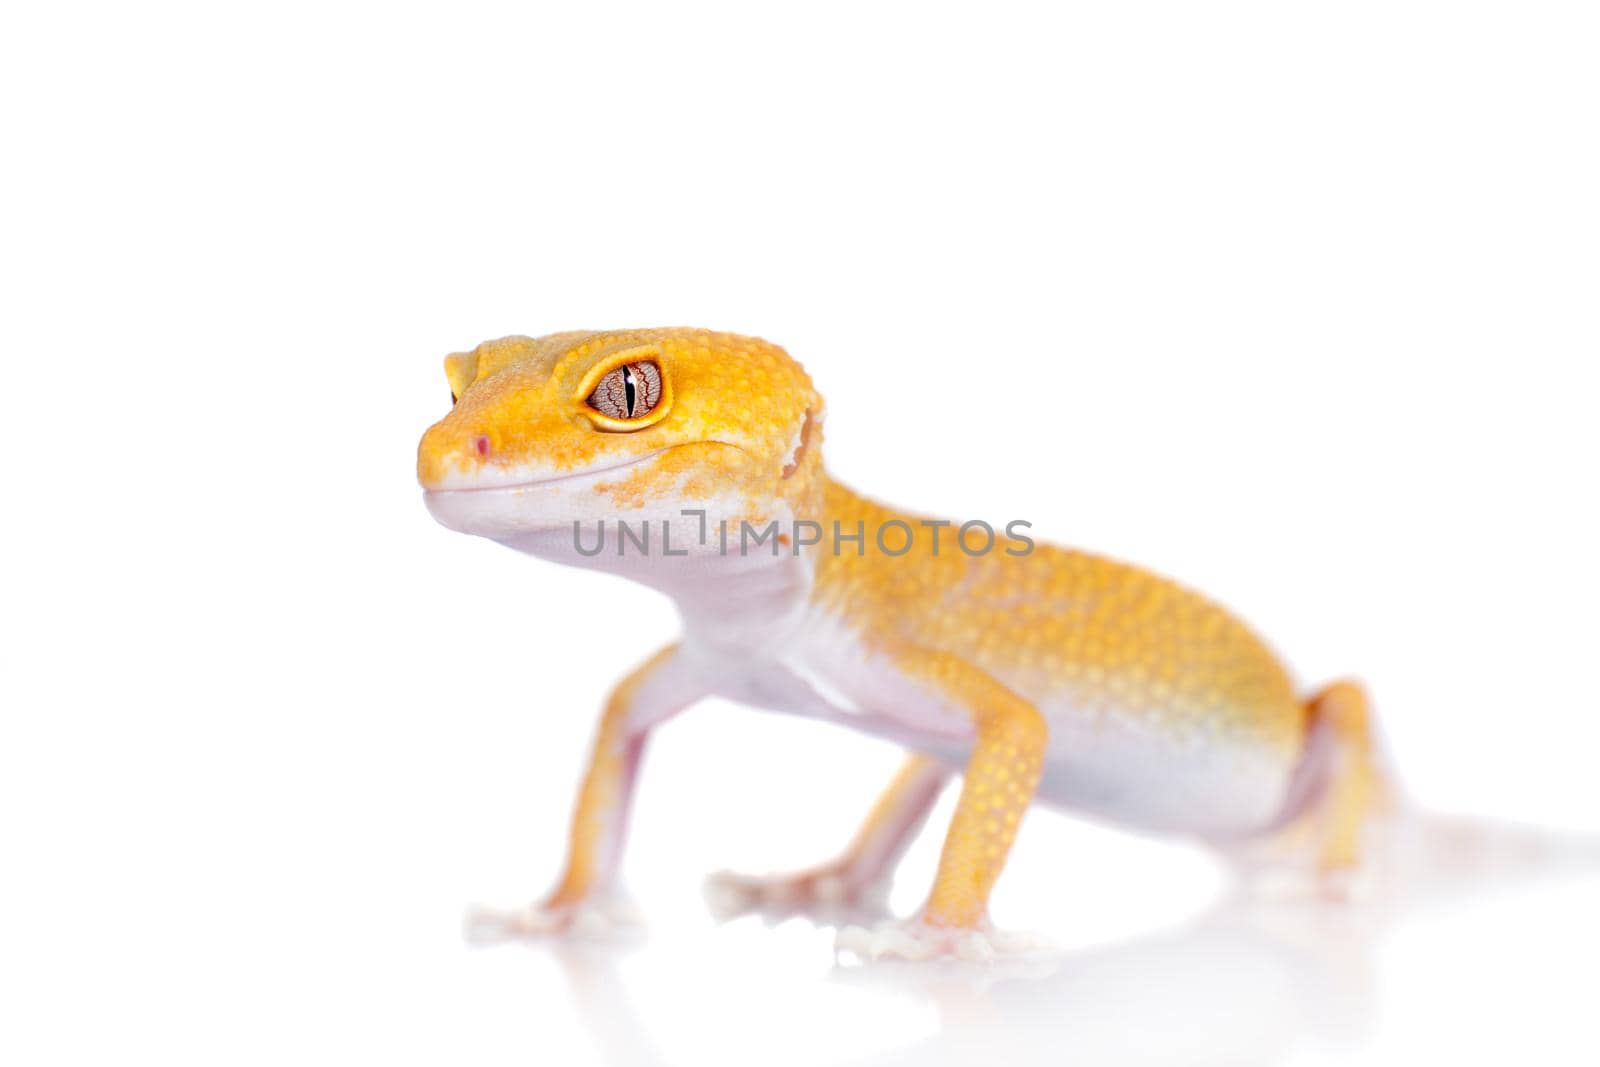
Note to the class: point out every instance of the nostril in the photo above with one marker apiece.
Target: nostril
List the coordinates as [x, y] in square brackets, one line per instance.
[481, 443]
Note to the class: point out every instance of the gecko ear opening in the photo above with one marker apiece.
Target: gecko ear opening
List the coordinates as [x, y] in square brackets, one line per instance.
[802, 444]
[461, 368]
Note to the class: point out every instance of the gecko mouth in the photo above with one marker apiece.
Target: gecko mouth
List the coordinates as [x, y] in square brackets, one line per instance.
[528, 506]
[554, 479]
[572, 477]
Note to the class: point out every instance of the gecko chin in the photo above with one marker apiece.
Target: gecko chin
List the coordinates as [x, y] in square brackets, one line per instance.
[554, 517]
[504, 504]
[513, 505]
[502, 512]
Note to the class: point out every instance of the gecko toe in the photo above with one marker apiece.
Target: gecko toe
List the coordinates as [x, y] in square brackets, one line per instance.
[916, 939]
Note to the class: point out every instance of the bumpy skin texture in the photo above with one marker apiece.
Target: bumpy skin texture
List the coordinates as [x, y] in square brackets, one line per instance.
[735, 403]
[1041, 674]
[1113, 638]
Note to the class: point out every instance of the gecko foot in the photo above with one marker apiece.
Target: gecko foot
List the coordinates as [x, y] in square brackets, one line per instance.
[587, 920]
[916, 939]
[824, 893]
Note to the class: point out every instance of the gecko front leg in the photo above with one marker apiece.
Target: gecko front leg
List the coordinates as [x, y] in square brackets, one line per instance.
[649, 695]
[853, 884]
[1001, 776]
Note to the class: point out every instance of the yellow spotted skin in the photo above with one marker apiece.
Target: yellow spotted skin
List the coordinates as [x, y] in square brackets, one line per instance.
[1108, 638]
[1006, 632]
[1111, 637]
[1001, 775]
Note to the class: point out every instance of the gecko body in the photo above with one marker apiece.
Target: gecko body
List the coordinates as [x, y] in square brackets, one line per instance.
[1037, 673]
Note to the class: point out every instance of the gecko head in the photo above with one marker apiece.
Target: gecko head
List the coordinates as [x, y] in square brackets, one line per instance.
[631, 425]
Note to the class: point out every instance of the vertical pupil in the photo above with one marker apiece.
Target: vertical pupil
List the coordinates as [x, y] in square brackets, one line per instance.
[630, 390]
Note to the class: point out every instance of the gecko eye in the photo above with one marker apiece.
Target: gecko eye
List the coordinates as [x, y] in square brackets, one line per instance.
[630, 391]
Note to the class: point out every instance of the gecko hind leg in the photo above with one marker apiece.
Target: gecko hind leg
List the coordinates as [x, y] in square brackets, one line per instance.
[855, 883]
[1323, 847]
[1355, 789]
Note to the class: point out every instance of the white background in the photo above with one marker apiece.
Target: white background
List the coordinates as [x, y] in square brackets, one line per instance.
[1295, 302]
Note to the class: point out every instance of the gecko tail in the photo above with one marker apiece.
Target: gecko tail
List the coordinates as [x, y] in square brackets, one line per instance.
[1350, 828]
[1420, 853]
[1411, 855]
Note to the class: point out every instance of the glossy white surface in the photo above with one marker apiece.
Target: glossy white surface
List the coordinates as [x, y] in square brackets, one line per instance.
[1295, 303]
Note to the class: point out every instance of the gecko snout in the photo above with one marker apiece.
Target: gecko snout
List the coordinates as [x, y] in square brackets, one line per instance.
[445, 454]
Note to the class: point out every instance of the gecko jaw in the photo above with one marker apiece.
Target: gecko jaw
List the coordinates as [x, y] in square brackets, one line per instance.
[555, 479]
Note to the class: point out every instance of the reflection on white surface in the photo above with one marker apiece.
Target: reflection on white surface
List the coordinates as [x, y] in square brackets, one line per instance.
[1250, 981]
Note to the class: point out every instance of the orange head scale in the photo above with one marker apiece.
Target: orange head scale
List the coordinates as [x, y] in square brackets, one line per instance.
[549, 436]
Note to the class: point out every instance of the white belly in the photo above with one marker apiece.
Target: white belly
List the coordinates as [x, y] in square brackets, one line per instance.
[1110, 766]
[1116, 769]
